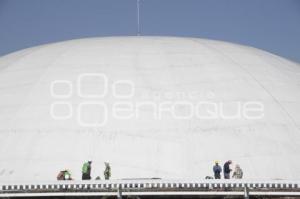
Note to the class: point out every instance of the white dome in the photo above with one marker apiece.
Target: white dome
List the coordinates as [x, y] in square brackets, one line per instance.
[61, 105]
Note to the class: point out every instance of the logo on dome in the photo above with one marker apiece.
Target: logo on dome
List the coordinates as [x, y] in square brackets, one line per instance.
[93, 98]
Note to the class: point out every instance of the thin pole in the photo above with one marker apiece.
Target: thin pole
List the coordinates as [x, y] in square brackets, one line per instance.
[119, 194]
[138, 17]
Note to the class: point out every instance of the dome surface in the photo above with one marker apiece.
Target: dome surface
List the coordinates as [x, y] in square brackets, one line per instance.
[151, 106]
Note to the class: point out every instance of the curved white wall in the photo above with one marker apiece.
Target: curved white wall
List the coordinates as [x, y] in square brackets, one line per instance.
[163, 71]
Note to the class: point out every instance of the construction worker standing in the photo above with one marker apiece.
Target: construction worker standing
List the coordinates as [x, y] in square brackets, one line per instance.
[107, 171]
[227, 169]
[86, 170]
[217, 170]
[238, 172]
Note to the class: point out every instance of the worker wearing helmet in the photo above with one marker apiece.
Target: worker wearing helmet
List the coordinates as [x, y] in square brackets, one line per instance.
[217, 170]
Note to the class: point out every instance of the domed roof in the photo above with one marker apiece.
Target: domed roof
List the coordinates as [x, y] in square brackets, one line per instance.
[150, 106]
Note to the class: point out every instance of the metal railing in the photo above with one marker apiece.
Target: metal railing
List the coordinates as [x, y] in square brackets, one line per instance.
[152, 187]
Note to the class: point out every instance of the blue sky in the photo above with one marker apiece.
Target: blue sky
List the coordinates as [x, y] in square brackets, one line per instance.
[272, 25]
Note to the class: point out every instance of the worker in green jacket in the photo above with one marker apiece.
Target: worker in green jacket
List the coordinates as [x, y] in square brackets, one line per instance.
[86, 170]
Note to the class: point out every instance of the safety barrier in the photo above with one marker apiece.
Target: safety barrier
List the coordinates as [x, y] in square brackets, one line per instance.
[151, 187]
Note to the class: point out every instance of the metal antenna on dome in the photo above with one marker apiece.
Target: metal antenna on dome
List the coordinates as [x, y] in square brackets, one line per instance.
[138, 17]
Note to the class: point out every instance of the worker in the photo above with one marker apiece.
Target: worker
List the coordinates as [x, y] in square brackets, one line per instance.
[86, 170]
[60, 176]
[217, 170]
[67, 175]
[238, 172]
[64, 175]
[107, 171]
[227, 170]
